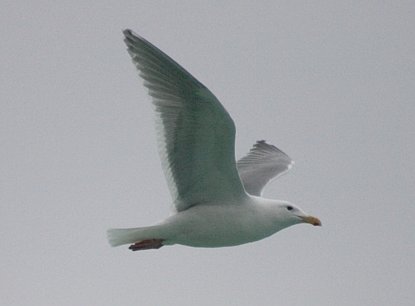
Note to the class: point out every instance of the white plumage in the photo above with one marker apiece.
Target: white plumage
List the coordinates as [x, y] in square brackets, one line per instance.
[215, 198]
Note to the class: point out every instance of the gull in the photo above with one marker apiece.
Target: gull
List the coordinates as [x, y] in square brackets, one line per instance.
[217, 201]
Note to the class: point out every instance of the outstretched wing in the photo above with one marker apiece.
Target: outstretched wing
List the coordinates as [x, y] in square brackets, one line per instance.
[263, 163]
[196, 135]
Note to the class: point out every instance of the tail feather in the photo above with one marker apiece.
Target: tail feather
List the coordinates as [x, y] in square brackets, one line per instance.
[120, 236]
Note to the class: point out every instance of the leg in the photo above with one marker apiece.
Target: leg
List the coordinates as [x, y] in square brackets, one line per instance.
[147, 244]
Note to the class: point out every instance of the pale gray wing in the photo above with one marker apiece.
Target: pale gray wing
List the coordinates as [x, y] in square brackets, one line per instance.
[196, 135]
[263, 163]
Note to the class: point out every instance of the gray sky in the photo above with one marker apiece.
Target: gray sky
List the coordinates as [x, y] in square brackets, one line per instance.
[332, 83]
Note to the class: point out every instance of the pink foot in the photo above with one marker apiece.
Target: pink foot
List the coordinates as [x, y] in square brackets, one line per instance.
[147, 244]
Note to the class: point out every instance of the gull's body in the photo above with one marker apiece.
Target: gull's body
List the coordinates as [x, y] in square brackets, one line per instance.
[217, 201]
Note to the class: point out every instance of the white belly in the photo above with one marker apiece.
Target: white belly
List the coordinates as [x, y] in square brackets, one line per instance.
[218, 226]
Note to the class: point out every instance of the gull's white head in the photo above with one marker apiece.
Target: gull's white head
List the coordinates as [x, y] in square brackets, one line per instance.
[291, 214]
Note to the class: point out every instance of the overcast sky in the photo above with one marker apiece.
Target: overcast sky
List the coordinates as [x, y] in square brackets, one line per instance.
[331, 83]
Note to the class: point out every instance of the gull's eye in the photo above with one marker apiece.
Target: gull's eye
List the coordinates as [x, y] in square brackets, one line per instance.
[289, 207]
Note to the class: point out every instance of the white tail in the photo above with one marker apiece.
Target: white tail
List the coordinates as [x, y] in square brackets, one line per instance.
[120, 236]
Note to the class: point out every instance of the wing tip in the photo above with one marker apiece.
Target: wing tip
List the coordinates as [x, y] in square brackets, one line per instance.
[128, 33]
[264, 145]
[131, 37]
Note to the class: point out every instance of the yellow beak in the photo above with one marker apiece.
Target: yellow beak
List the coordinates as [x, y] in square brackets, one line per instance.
[312, 220]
